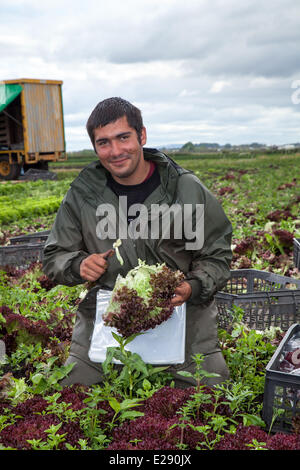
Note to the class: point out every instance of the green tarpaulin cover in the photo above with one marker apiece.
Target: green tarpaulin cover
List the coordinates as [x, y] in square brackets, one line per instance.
[8, 92]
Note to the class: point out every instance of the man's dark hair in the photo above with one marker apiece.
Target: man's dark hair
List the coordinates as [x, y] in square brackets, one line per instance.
[111, 109]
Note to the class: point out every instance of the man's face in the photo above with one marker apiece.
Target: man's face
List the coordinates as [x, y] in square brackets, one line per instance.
[119, 150]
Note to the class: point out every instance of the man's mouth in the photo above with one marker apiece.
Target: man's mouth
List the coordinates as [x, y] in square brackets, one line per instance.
[118, 161]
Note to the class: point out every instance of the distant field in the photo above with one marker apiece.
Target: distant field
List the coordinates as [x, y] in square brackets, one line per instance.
[83, 158]
[73, 162]
[78, 159]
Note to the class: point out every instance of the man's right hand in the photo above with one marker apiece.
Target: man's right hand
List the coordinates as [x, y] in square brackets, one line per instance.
[92, 267]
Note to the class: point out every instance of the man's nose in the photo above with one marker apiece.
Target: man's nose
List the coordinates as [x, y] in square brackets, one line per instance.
[116, 148]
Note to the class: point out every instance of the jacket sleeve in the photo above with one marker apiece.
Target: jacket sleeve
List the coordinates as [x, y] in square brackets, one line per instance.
[210, 266]
[64, 248]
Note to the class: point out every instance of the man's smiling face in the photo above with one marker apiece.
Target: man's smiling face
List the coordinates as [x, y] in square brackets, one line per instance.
[120, 151]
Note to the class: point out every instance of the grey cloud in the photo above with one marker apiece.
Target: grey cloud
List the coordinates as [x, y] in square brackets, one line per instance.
[232, 38]
[223, 37]
[229, 64]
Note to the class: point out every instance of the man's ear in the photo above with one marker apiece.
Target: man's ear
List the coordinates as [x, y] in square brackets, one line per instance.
[143, 136]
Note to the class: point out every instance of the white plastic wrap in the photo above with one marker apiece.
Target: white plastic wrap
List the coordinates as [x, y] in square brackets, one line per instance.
[290, 356]
[164, 344]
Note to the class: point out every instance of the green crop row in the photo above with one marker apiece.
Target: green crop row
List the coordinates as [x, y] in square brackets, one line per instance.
[29, 208]
[32, 188]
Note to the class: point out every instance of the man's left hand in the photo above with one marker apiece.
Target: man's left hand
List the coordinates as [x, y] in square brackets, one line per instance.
[182, 294]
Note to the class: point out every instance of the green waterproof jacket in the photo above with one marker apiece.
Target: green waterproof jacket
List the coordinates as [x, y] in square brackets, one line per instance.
[75, 235]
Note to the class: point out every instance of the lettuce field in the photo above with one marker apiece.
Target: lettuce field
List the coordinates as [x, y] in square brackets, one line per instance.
[141, 409]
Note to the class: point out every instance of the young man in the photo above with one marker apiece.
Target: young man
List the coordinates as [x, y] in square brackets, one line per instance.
[77, 250]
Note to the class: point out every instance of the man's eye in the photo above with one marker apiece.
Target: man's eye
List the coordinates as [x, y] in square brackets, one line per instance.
[124, 137]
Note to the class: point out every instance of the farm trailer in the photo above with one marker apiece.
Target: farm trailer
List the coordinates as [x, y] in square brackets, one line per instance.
[31, 125]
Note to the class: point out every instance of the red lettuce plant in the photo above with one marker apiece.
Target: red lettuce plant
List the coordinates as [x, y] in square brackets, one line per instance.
[34, 427]
[18, 329]
[243, 436]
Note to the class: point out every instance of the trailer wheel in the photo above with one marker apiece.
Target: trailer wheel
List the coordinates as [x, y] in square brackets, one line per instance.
[9, 171]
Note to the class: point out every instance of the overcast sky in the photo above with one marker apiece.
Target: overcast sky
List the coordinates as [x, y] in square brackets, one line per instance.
[221, 71]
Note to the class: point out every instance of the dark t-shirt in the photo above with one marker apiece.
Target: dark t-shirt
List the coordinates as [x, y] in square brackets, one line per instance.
[136, 193]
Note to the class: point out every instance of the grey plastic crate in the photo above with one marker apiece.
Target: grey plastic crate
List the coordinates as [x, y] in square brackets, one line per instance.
[24, 249]
[38, 237]
[297, 252]
[21, 255]
[267, 299]
[282, 391]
